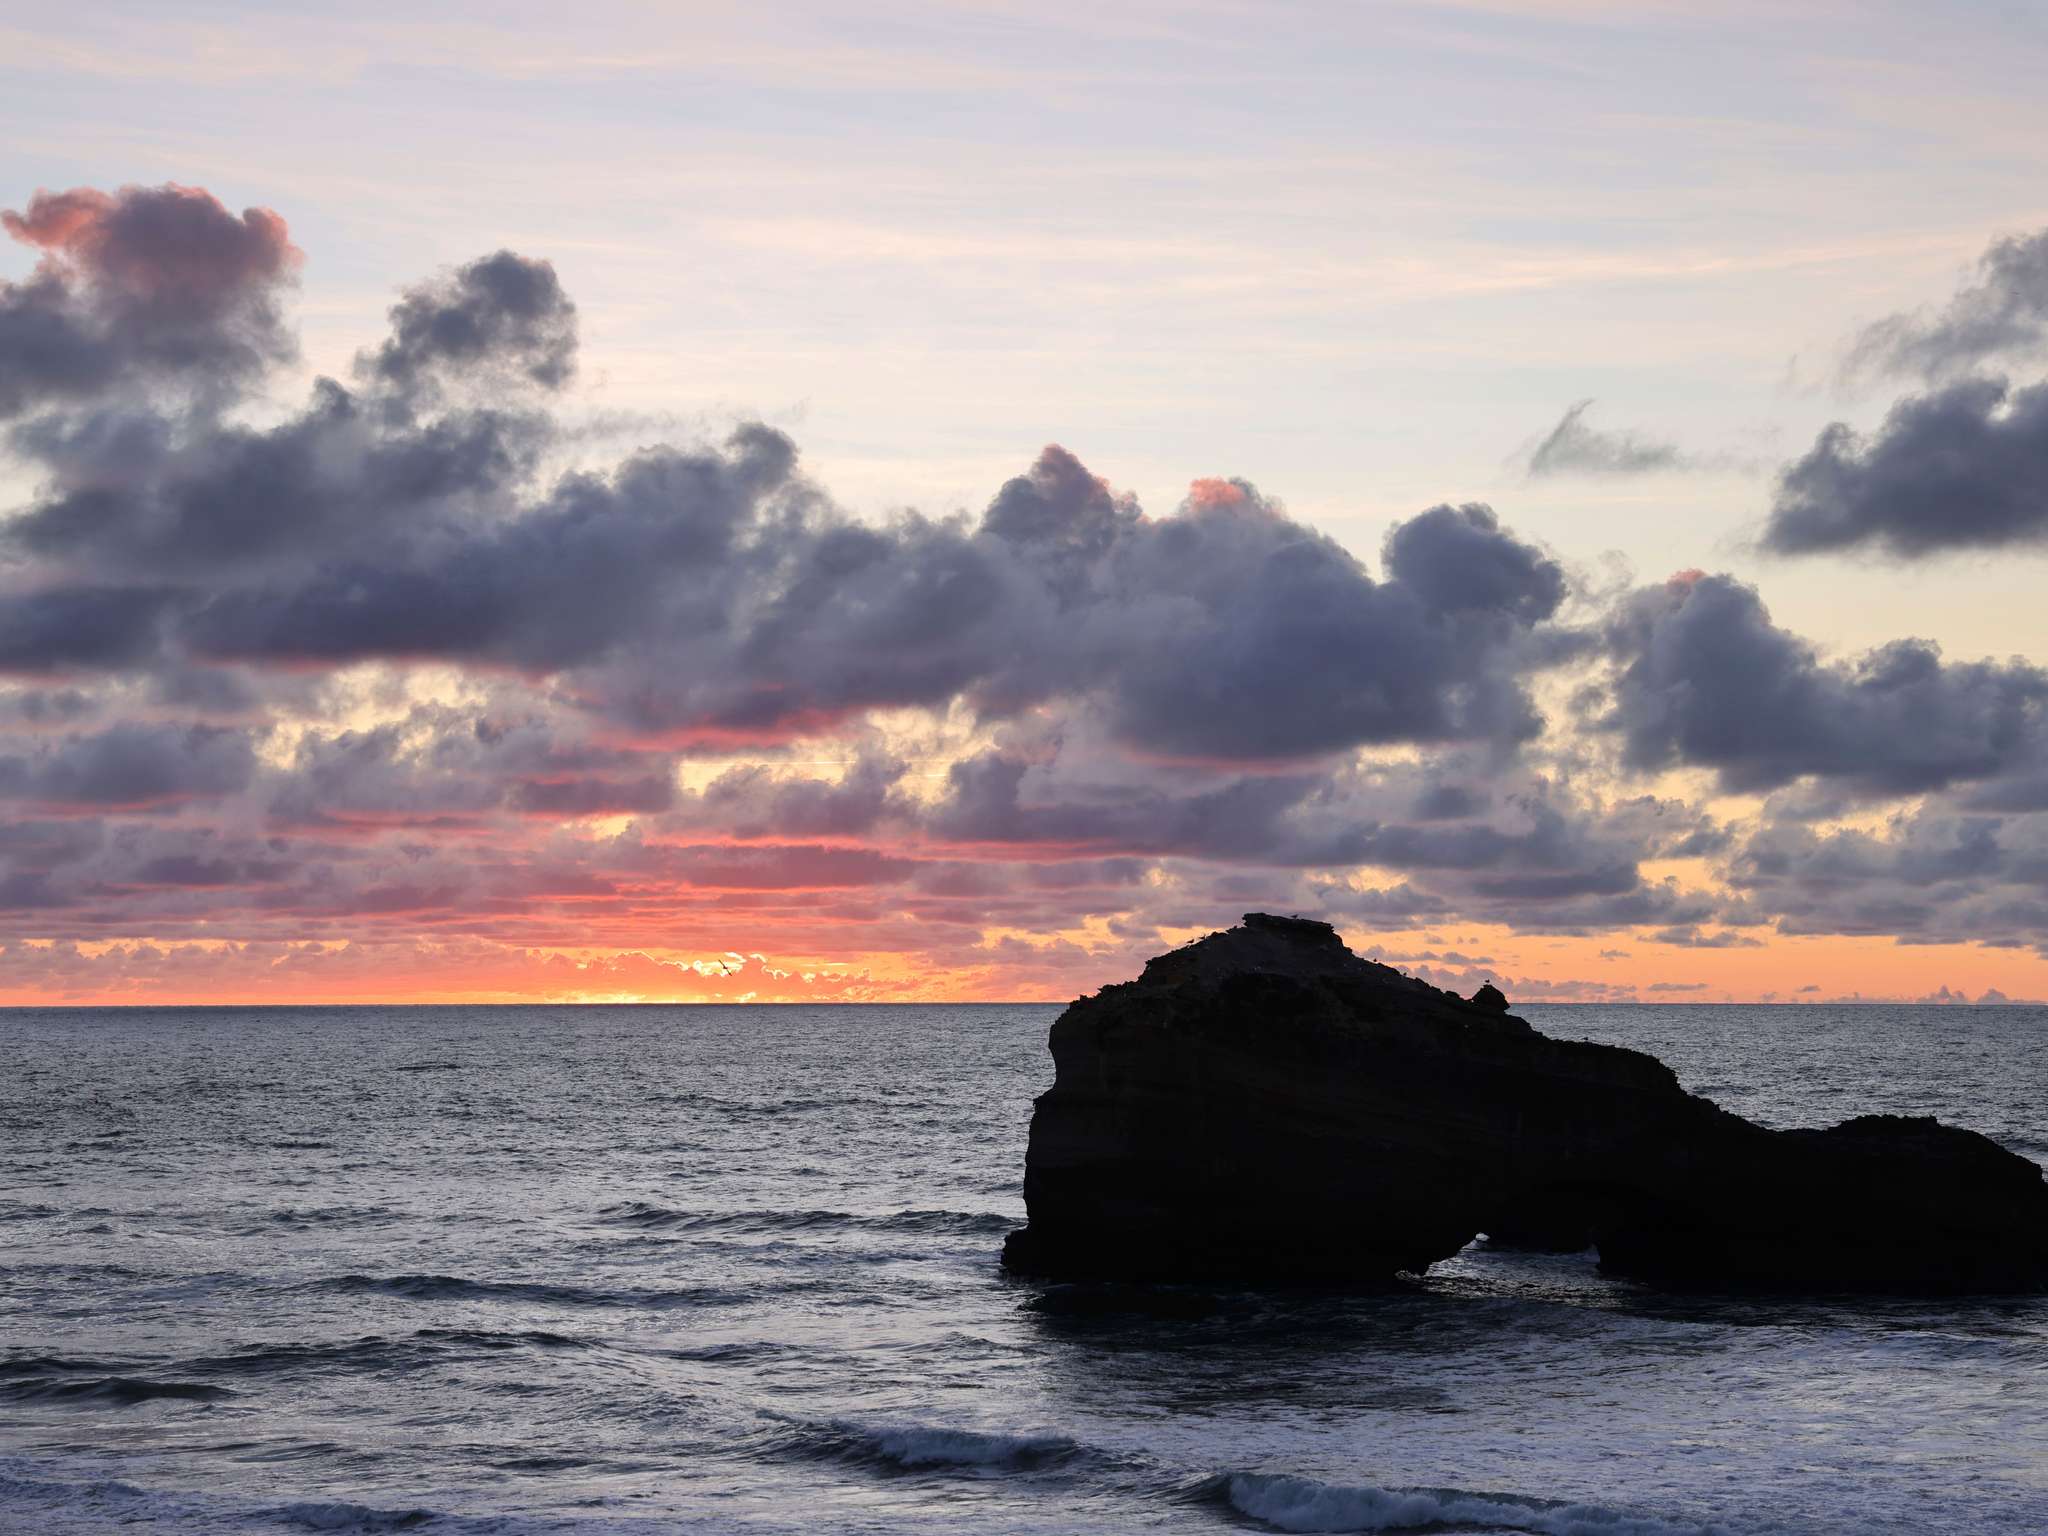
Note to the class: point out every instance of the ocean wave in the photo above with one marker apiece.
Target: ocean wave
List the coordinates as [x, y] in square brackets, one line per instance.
[340, 1515]
[918, 1447]
[121, 1391]
[330, 1215]
[371, 1353]
[455, 1288]
[480, 1338]
[102, 1503]
[53, 1365]
[305, 1218]
[22, 1489]
[377, 1352]
[32, 1498]
[1289, 1503]
[757, 1107]
[648, 1216]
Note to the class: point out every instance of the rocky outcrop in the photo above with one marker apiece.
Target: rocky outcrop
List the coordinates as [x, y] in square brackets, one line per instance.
[1265, 1105]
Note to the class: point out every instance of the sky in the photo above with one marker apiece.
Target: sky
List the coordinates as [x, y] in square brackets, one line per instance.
[946, 500]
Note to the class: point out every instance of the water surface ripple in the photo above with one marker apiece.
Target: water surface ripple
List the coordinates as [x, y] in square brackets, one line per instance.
[640, 1270]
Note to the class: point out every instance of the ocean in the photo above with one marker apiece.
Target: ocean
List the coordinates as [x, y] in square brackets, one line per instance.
[640, 1270]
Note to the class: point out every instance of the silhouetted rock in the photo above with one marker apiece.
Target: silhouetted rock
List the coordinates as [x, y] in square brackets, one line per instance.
[1490, 996]
[1265, 1105]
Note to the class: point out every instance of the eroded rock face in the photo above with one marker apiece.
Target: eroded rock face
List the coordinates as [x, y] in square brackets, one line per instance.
[1265, 1105]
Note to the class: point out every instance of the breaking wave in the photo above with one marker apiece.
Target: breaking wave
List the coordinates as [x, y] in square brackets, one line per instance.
[1288, 1503]
[120, 1391]
[920, 1448]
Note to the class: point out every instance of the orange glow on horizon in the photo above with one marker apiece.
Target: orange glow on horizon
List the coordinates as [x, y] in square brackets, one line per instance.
[1007, 966]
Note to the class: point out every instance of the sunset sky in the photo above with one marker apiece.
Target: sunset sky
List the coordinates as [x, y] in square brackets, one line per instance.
[945, 500]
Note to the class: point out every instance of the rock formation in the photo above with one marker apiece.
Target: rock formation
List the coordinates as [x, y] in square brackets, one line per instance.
[1265, 1105]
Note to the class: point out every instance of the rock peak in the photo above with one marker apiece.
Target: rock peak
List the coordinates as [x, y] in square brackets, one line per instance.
[1303, 930]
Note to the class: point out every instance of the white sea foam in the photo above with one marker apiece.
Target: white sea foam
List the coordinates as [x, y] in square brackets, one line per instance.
[1304, 1504]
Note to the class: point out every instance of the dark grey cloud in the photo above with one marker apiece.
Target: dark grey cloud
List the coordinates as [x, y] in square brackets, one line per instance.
[1964, 467]
[1447, 801]
[1062, 519]
[2002, 313]
[148, 285]
[1000, 800]
[1936, 873]
[501, 317]
[132, 764]
[42, 708]
[1527, 852]
[1460, 560]
[1234, 633]
[448, 765]
[756, 801]
[1703, 678]
[719, 593]
[1392, 906]
[127, 494]
[1572, 447]
[709, 594]
[1225, 632]
[1692, 937]
[1163, 705]
[65, 628]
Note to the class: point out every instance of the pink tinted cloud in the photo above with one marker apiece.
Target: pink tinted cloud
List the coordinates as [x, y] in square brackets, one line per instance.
[157, 242]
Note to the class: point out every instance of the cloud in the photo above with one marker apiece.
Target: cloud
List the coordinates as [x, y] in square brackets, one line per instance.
[1460, 560]
[218, 622]
[503, 314]
[1933, 873]
[1703, 678]
[717, 593]
[1231, 632]
[64, 628]
[1574, 448]
[147, 285]
[132, 765]
[1964, 467]
[372, 668]
[2004, 312]
[1691, 937]
[1529, 853]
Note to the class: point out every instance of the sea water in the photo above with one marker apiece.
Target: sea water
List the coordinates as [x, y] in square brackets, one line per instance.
[640, 1270]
